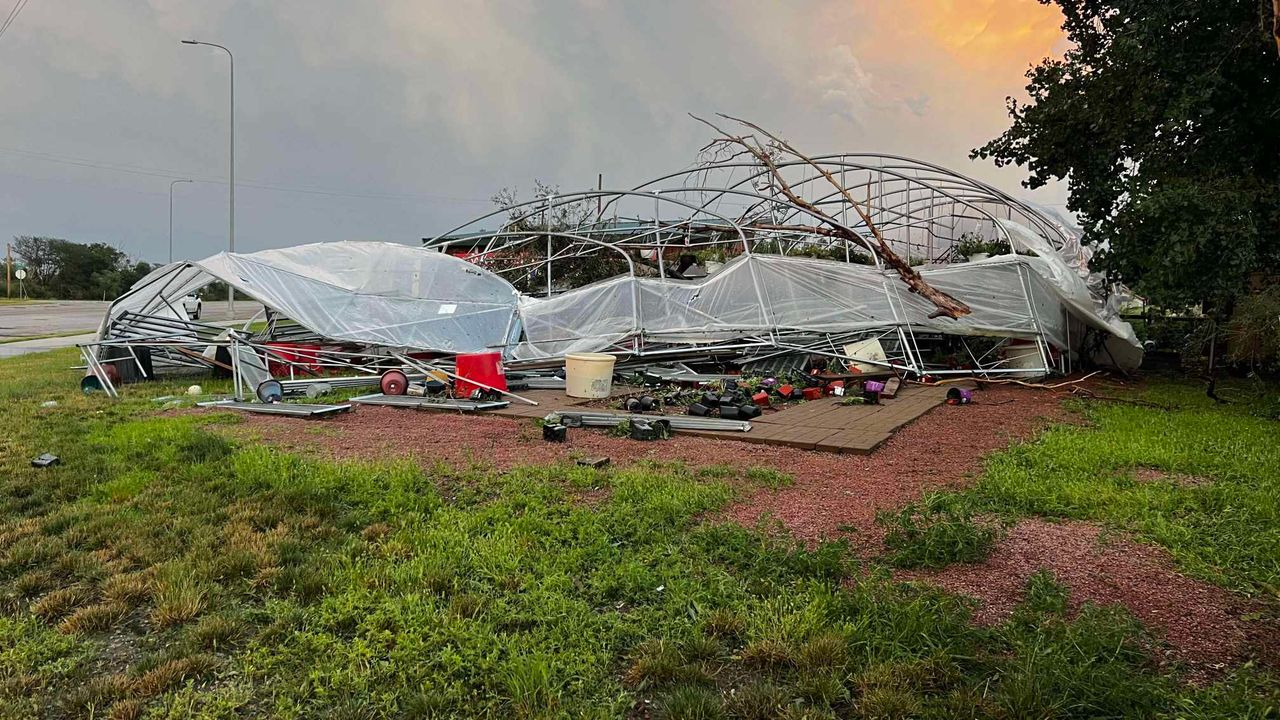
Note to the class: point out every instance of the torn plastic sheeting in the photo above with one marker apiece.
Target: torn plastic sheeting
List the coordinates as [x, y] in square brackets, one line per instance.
[361, 292]
[795, 294]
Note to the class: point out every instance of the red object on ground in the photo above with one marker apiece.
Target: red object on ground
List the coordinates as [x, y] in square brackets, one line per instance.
[761, 398]
[831, 386]
[286, 352]
[785, 391]
[394, 382]
[812, 393]
[479, 368]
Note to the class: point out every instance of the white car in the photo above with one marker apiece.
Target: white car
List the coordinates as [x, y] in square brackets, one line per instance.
[191, 304]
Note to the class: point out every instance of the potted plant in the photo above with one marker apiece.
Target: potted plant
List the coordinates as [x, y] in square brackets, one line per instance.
[974, 247]
[712, 259]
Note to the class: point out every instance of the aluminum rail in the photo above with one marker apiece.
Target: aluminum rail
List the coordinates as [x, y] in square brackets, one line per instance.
[429, 403]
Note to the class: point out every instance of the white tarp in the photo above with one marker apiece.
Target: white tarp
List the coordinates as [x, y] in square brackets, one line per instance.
[361, 292]
[1010, 296]
[405, 297]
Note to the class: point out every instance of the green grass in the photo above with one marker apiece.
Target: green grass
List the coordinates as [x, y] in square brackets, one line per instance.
[46, 336]
[935, 533]
[1224, 528]
[163, 571]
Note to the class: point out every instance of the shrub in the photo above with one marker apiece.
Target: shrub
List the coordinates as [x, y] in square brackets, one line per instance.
[1253, 332]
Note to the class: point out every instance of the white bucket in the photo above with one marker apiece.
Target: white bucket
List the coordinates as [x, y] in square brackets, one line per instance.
[588, 375]
[870, 350]
[1025, 356]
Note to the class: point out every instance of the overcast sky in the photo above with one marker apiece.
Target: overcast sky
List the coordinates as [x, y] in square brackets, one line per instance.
[397, 119]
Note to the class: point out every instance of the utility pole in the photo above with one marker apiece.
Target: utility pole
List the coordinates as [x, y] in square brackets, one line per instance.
[8, 268]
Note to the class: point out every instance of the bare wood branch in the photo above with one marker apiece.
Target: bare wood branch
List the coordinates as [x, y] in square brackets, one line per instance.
[947, 305]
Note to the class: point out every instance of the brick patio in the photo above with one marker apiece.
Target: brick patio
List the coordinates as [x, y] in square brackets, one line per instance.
[825, 425]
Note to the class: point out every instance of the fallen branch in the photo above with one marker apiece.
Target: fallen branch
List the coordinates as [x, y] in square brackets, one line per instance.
[1126, 401]
[947, 306]
[1023, 383]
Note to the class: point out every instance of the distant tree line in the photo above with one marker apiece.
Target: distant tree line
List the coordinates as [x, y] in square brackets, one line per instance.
[68, 270]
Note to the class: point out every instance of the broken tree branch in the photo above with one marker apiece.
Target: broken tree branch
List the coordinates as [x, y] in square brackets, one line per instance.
[947, 306]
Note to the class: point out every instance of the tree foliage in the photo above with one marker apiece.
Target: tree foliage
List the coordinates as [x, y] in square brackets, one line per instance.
[68, 270]
[577, 263]
[1165, 119]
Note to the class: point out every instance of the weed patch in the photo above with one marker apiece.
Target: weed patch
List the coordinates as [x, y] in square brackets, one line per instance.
[933, 534]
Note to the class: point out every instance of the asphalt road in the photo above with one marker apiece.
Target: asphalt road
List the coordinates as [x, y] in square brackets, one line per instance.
[47, 318]
[77, 320]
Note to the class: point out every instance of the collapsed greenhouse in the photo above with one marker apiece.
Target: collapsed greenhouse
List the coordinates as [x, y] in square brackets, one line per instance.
[733, 265]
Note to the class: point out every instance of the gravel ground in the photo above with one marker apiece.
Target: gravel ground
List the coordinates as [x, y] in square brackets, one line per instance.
[833, 495]
[1201, 623]
[838, 496]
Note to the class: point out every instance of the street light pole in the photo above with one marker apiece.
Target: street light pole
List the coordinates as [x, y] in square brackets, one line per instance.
[231, 223]
[175, 182]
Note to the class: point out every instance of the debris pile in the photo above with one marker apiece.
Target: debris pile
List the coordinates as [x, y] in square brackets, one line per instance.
[721, 292]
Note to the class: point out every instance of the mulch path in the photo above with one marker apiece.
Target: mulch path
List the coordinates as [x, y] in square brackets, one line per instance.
[942, 449]
[1201, 623]
[833, 495]
[839, 495]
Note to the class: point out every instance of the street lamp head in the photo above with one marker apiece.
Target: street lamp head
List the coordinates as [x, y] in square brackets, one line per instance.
[190, 42]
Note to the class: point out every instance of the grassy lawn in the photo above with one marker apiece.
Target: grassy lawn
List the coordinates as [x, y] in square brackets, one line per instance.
[162, 571]
[1218, 511]
[1200, 479]
[46, 336]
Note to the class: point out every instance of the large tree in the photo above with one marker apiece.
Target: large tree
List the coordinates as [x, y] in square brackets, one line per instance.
[1164, 118]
